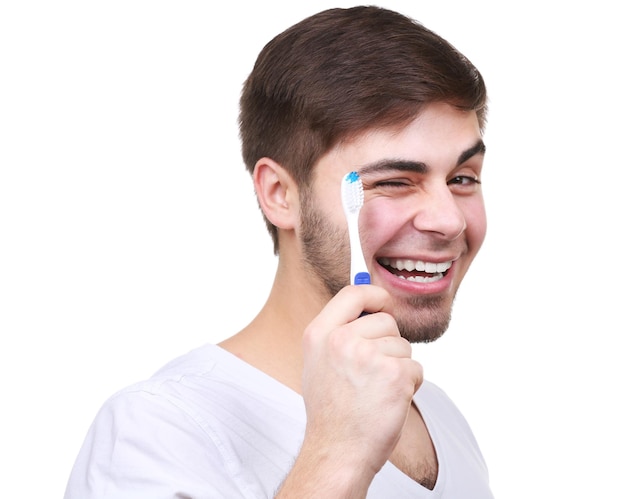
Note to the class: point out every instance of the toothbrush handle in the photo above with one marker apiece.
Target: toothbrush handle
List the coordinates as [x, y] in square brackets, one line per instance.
[362, 278]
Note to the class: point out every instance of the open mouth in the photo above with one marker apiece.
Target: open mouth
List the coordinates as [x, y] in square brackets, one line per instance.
[416, 270]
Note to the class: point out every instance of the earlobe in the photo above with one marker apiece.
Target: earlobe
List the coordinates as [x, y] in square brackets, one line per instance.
[276, 193]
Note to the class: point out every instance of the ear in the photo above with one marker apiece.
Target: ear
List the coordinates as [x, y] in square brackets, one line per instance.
[277, 193]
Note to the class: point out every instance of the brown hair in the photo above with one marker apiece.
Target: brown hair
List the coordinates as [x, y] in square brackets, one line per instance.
[340, 72]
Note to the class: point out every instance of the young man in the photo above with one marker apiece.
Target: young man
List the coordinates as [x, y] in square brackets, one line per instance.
[314, 398]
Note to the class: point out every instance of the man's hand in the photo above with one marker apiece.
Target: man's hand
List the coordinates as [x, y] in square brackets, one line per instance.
[358, 383]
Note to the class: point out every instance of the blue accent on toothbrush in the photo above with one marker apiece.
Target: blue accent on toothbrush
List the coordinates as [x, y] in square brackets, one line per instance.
[352, 177]
[362, 278]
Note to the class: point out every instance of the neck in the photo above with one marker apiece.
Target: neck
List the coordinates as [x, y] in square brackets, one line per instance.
[272, 342]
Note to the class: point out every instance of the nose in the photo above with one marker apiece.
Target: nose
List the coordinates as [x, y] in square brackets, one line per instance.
[440, 213]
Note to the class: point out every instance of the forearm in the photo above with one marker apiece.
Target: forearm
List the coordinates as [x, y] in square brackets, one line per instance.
[326, 473]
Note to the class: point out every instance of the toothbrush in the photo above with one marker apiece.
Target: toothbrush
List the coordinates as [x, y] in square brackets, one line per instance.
[352, 199]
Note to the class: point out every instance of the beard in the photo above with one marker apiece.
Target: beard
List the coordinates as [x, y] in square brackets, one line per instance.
[326, 250]
[325, 247]
[424, 320]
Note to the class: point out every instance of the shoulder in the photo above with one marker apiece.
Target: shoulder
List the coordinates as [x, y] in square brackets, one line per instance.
[203, 387]
[160, 431]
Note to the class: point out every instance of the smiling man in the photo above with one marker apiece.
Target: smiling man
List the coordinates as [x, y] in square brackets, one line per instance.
[314, 398]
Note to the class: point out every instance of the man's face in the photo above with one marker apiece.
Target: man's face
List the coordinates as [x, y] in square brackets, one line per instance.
[423, 219]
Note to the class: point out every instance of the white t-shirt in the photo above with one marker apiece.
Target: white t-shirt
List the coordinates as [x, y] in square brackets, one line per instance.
[210, 426]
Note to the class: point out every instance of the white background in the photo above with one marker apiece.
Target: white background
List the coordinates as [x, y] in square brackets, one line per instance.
[129, 233]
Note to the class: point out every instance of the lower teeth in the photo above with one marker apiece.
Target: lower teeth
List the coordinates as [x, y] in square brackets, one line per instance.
[423, 279]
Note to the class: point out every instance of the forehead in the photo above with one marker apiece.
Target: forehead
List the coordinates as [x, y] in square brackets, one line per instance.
[440, 136]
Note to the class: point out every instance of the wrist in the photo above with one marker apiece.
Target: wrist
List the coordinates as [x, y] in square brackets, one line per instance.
[327, 471]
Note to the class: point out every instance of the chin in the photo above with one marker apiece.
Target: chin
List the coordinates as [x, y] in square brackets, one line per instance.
[426, 321]
[425, 335]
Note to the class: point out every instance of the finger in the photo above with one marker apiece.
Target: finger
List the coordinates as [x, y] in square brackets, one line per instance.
[416, 374]
[394, 346]
[349, 303]
[376, 325]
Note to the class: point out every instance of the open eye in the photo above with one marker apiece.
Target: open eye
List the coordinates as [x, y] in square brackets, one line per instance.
[464, 183]
[464, 180]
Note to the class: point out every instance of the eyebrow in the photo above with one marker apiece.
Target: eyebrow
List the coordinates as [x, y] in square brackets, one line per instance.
[478, 148]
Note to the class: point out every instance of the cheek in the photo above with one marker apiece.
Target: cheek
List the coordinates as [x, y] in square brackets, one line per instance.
[381, 220]
[476, 220]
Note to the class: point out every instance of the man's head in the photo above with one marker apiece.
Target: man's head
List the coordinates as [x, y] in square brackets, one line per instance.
[340, 73]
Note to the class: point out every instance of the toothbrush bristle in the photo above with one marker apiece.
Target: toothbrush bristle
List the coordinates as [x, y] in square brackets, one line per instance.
[353, 191]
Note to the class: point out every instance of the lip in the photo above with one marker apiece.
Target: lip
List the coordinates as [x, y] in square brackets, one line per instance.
[411, 287]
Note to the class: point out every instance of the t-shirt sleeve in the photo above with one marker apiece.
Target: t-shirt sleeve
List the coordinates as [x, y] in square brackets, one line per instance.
[143, 445]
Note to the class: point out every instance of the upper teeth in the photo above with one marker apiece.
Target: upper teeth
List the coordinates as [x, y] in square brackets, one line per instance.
[419, 265]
